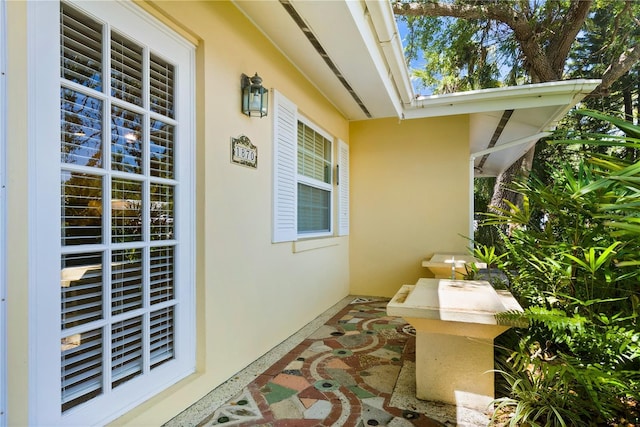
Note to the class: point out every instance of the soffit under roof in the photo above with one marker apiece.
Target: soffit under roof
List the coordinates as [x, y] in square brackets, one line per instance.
[350, 50]
[343, 30]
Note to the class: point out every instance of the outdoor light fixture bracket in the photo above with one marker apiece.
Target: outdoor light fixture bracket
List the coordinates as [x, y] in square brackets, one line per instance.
[255, 98]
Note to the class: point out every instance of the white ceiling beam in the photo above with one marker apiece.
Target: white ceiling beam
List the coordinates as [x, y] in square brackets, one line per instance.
[510, 144]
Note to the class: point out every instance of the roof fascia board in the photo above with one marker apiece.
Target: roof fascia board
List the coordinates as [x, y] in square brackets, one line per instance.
[351, 18]
[368, 32]
[568, 93]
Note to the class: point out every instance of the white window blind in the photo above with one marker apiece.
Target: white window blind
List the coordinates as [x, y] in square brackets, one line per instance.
[139, 206]
[315, 183]
[82, 370]
[81, 42]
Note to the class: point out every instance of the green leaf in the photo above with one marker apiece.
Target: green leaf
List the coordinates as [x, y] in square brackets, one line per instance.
[625, 126]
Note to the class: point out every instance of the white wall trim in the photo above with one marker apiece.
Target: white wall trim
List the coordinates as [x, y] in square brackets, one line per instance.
[309, 245]
[3, 216]
[43, 192]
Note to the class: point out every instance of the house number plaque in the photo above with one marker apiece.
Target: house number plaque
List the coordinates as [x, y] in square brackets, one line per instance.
[243, 152]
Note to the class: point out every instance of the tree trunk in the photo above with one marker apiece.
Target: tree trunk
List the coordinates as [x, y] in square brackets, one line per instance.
[638, 98]
[501, 190]
[627, 97]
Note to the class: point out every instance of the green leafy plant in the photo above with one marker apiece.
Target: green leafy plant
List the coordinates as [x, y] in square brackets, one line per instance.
[488, 257]
[572, 252]
[563, 392]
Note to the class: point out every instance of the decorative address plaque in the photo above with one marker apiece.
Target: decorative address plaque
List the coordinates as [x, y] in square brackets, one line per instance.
[243, 152]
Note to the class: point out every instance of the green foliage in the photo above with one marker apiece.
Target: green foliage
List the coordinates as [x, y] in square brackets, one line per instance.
[543, 395]
[488, 255]
[458, 54]
[564, 392]
[572, 253]
[610, 29]
[471, 44]
[482, 192]
[556, 320]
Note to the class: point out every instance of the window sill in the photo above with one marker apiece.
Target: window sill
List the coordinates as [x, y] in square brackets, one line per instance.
[311, 244]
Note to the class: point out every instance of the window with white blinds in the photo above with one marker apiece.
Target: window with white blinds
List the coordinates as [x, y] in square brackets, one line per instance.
[119, 173]
[310, 177]
[314, 180]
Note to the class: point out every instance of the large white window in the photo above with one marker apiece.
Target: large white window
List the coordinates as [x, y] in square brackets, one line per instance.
[310, 177]
[124, 300]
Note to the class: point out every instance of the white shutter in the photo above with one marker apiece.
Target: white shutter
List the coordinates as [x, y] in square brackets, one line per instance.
[284, 169]
[343, 188]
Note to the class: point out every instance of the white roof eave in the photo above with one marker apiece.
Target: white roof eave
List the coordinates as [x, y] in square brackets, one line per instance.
[390, 41]
[562, 93]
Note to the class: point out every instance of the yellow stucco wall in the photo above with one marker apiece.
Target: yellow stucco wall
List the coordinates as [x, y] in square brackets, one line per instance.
[409, 198]
[17, 216]
[251, 294]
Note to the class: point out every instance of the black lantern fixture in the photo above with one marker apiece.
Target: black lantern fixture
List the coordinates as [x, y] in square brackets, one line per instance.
[255, 98]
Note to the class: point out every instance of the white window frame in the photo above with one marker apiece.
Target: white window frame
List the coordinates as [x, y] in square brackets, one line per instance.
[314, 183]
[286, 177]
[43, 53]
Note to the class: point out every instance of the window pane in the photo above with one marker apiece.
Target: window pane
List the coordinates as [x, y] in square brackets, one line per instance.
[81, 368]
[126, 140]
[117, 291]
[126, 70]
[314, 154]
[126, 350]
[161, 86]
[161, 212]
[162, 142]
[81, 123]
[80, 48]
[313, 209]
[126, 210]
[126, 280]
[81, 289]
[81, 208]
[161, 274]
[162, 341]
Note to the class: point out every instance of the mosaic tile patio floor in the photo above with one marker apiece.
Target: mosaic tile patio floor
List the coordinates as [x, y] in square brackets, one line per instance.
[357, 369]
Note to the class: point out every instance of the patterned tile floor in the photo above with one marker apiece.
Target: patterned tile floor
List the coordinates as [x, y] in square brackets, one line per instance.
[357, 369]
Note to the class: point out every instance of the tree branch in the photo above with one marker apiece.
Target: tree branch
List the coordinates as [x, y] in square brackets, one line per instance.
[561, 42]
[499, 11]
[537, 62]
[617, 69]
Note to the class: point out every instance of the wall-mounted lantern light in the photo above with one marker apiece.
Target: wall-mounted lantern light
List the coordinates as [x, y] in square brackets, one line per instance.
[255, 98]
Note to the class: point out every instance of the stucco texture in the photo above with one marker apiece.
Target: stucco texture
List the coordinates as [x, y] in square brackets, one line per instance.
[409, 199]
[251, 294]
